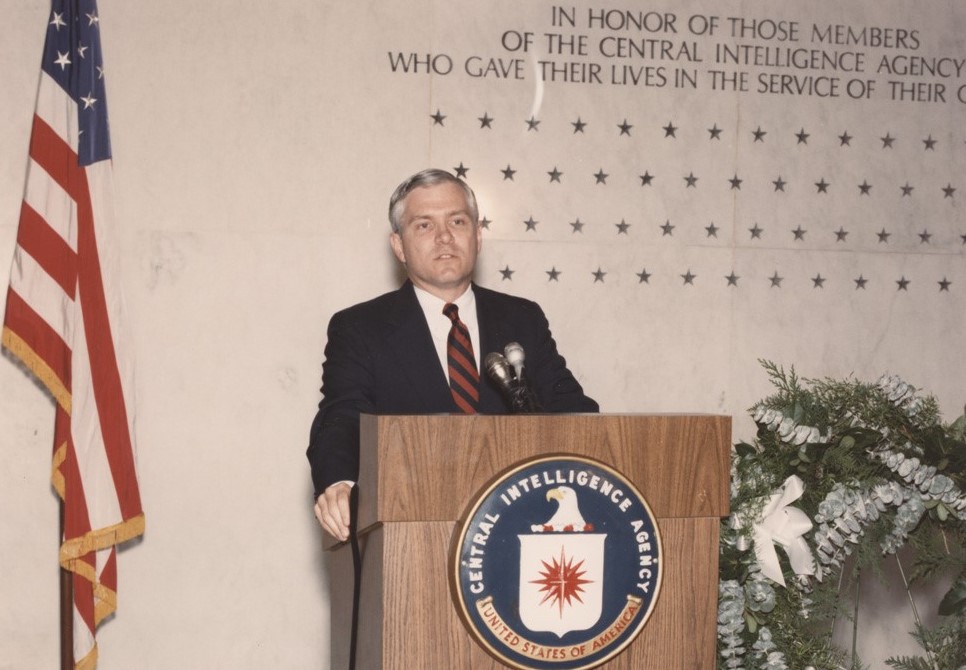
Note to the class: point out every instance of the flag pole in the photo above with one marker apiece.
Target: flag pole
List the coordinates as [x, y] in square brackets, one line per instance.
[66, 607]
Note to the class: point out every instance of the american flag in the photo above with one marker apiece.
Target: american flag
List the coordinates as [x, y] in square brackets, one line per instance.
[62, 314]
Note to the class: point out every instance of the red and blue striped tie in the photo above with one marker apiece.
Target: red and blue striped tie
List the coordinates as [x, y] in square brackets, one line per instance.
[464, 379]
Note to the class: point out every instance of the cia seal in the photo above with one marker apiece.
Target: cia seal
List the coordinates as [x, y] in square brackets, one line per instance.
[557, 565]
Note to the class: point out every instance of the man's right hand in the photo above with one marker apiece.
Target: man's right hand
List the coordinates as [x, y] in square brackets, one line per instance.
[332, 510]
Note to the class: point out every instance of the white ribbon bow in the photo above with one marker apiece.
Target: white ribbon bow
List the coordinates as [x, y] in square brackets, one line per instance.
[782, 524]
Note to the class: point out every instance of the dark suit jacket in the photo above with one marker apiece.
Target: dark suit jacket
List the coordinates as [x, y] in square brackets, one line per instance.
[380, 359]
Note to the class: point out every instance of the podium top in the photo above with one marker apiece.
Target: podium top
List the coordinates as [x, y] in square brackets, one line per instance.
[428, 467]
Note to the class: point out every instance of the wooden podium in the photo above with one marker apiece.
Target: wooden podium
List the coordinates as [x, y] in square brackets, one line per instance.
[418, 476]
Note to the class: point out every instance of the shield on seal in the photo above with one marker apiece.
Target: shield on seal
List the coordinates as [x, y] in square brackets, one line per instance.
[561, 581]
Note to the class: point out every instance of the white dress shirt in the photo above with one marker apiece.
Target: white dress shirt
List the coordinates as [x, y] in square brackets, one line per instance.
[439, 323]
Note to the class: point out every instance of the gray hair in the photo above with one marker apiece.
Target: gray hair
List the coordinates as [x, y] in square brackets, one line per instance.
[429, 177]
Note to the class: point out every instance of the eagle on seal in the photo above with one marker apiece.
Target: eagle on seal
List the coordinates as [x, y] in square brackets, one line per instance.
[567, 518]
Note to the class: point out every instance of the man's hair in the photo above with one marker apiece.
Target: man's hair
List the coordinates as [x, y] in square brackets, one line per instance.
[429, 177]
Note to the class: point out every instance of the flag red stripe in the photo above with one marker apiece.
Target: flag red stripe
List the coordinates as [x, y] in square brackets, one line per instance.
[77, 522]
[84, 593]
[53, 154]
[48, 248]
[45, 342]
[105, 376]
[56, 157]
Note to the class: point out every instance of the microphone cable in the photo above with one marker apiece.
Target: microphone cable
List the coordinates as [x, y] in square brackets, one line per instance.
[357, 571]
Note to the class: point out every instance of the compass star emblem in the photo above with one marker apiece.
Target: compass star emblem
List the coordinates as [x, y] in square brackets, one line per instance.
[561, 581]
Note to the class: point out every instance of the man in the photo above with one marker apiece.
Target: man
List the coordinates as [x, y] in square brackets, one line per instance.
[390, 355]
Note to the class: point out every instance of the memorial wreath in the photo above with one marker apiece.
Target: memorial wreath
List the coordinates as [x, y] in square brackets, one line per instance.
[841, 476]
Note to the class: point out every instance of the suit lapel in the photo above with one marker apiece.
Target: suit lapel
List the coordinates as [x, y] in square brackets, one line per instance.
[408, 338]
[491, 321]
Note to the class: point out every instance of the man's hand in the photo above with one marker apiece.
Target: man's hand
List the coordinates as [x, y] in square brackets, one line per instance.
[332, 510]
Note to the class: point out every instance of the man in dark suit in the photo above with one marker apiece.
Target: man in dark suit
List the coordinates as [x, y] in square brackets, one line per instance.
[390, 355]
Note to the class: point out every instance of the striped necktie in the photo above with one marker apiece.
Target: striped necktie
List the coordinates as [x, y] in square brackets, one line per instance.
[464, 379]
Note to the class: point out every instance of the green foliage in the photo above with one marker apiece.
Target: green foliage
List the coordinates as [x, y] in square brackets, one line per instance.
[879, 471]
[945, 647]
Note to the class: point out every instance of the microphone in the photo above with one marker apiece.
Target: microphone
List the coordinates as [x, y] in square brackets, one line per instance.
[525, 396]
[510, 379]
[499, 371]
[515, 356]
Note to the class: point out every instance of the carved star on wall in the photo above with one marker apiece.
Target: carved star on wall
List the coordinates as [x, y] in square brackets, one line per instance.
[532, 124]
[903, 283]
[622, 227]
[944, 284]
[691, 180]
[599, 275]
[779, 184]
[948, 191]
[906, 189]
[600, 176]
[555, 174]
[643, 277]
[577, 225]
[552, 274]
[759, 134]
[461, 170]
[732, 279]
[578, 125]
[688, 278]
[507, 273]
[715, 133]
[799, 233]
[756, 232]
[508, 173]
[860, 283]
[712, 230]
[485, 223]
[646, 179]
[670, 130]
[531, 224]
[437, 118]
[887, 141]
[924, 237]
[667, 229]
[625, 127]
[841, 234]
[776, 281]
[818, 281]
[930, 143]
[802, 136]
[865, 187]
[822, 186]
[845, 140]
[486, 121]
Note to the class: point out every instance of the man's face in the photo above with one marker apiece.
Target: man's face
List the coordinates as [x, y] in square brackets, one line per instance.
[438, 240]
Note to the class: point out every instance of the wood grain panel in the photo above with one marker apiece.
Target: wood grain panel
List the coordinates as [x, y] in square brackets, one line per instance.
[409, 618]
[427, 468]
